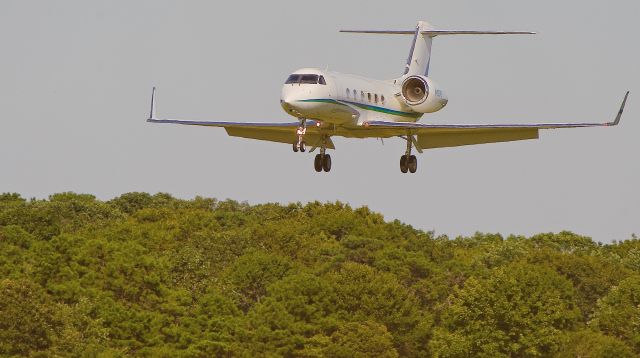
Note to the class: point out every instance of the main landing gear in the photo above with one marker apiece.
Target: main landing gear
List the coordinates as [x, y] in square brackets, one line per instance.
[408, 162]
[322, 161]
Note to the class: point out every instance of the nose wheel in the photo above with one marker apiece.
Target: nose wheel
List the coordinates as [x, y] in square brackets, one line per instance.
[299, 146]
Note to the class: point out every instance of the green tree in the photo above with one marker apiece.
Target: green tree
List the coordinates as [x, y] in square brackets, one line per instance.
[521, 310]
[618, 313]
[364, 293]
[253, 272]
[361, 340]
[591, 275]
[155, 275]
[29, 323]
[587, 343]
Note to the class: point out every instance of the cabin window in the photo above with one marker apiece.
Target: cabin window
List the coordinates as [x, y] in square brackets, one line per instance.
[382, 98]
[354, 94]
[376, 97]
[348, 93]
[362, 95]
[321, 80]
[369, 96]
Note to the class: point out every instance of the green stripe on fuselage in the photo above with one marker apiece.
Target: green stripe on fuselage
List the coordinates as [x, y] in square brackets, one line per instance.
[365, 106]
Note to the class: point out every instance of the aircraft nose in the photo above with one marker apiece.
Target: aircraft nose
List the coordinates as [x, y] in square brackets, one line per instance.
[288, 98]
[287, 105]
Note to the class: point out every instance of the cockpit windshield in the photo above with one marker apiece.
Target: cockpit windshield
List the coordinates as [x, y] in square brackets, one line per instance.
[305, 79]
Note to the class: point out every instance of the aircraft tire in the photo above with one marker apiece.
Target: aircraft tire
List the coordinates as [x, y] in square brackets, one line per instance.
[317, 163]
[412, 163]
[295, 147]
[403, 164]
[326, 163]
[302, 148]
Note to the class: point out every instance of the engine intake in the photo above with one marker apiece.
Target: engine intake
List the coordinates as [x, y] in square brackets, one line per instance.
[415, 90]
[422, 94]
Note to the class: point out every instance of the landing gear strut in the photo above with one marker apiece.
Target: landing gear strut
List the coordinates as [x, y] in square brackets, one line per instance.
[322, 161]
[408, 162]
[302, 129]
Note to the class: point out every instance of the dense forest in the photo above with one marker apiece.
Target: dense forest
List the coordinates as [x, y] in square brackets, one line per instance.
[152, 275]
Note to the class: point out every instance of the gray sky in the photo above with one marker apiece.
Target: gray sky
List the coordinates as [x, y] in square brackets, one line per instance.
[76, 77]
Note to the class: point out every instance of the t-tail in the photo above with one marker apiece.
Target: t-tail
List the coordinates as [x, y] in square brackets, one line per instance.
[420, 53]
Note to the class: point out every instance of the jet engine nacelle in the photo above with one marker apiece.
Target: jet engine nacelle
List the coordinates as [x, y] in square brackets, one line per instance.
[422, 94]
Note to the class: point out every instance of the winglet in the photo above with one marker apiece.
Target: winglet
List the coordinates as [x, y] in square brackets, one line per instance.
[152, 114]
[617, 120]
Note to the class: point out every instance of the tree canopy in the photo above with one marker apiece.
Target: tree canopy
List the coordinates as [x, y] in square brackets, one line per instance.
[152, 275]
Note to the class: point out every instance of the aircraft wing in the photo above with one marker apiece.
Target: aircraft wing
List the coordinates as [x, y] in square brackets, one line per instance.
[274, 132]
[453, 135]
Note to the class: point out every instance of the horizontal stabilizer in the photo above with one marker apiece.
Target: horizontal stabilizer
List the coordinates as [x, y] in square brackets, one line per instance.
[434, 33]
[423, 34]
[380, 32]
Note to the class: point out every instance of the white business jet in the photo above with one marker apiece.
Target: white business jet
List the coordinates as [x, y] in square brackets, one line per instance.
[329, 104]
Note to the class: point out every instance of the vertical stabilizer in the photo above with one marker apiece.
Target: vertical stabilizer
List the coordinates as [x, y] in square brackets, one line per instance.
[420, 53]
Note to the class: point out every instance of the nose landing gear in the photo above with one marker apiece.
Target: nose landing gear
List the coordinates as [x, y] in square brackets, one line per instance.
[408, 162]
[322, 161]
[300, 132]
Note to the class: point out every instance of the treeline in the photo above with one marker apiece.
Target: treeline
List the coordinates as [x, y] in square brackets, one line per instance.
[144, 275]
